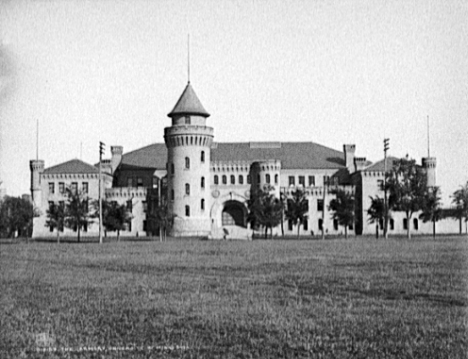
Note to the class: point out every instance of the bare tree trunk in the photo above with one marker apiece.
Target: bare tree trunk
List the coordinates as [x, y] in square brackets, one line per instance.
[298, 228]
[118, 235]
[346, 231]
[266, 232]
[58, 235]
[78, 234]
[433, 229]
[408, 226]
[377, 231]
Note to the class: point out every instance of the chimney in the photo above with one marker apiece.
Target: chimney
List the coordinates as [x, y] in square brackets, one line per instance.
[349, 151]
[360, 163]
[116, 157]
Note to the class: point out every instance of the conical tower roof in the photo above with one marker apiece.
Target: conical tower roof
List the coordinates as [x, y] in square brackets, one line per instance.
[188, 104]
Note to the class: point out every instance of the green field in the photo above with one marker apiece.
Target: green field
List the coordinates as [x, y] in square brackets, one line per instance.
[360, 298]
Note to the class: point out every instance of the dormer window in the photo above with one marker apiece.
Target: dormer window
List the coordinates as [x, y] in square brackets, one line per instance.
[187, 120]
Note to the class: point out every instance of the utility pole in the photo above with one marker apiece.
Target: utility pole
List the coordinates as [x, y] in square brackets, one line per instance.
[386, 147]
[101, 151]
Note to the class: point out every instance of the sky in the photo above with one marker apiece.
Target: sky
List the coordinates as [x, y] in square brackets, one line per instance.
[331, 72]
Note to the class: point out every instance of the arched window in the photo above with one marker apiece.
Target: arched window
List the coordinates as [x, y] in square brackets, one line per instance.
[202, 204]
[187, 189]
[202, 156]
[224, 179]
[216, 179]
[233, 179]
[276, 178]
[241, 179]
[202, 182]
[267, 178]
[187, 211]
[172, 194]
[187, 162]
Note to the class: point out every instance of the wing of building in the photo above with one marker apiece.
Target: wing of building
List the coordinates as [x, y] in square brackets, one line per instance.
[207, 184]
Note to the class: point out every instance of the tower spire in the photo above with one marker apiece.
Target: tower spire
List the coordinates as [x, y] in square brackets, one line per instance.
[188, 57]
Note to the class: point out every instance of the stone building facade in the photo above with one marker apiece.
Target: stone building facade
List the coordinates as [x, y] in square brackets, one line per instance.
[207, 184]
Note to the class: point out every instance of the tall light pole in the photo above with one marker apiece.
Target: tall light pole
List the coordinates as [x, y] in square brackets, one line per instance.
[101, 151]
[386, 147]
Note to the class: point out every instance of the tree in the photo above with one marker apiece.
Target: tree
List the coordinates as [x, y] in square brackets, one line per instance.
[56, 218]
[163, 218]
[460, 200]
[376, 213]
[77, 215]
[114, 216]
[343, 208]
[406, 185]
[297, 209]
[16, 217]
[431, 209]
[265, 209]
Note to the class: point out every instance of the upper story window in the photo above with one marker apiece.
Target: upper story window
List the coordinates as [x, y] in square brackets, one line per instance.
[302, 181]
[129, 206]
[187, 120]
[202, 182]
[202, 156]
[267, 178]
[139, 182]
[320, 205]
[187, 162]
[202, 204]
[291, 181]
[51, 187]
[62, 187]
[187, 211]
[187, 189]
[326, 180]
[224, 179]
[216, 179]
[241, 179]
[276, 178]
[74, 187]
[85, 187]
[311, 180]
[233, 179]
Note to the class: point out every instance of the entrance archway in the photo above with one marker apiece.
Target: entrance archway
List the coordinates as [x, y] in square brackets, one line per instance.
[233, 214]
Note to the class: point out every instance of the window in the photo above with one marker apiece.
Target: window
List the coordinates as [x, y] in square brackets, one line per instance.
[320, 205]
[172, 194]
[276, 179]
[172, 168]
[62, 187]
[302, 181]
[129, 182]
[187, 211]
[415, 224]
[202, 184]
[145, 206]
[51, 188]
[202, 156]
[326, 180]
[187, 163]
[74, 187]
[187, 189]
[129, 206]
[290, 225]
[224, 179]
[311, 180]
[233, 179]
[306, 225]
[258, 179]
[129, 226]
[85, 187]
[335, 224]
[405, 223]
[291, 181]
[241, 179]
[320, 224]
[144, 226]
[216, 179]
[392, 224]
[139, 182]
[267, 178]
[202, 204]
[249, 179]
[187, 120]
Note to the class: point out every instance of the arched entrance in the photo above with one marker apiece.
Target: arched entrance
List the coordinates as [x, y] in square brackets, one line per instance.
[233, 214]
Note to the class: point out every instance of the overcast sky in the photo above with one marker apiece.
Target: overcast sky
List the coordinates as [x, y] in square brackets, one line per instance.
[332, 72]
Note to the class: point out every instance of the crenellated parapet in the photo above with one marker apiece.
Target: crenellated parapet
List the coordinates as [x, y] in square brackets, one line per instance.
[188, 135]
[230, 166]
[125, 192]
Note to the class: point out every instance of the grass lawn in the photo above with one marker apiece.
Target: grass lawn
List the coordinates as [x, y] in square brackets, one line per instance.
[360, 298]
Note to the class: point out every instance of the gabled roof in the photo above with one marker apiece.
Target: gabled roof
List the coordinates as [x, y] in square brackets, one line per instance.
[188, 104]
[72, 166]
[293, 155]
[380, 166]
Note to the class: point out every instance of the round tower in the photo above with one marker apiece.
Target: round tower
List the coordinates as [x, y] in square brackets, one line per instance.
[266, 173]
[188, 143]
[429, 163]
[36, 167]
